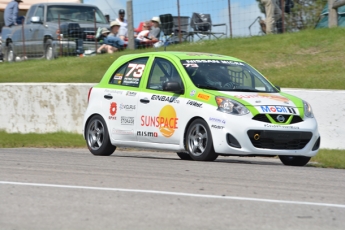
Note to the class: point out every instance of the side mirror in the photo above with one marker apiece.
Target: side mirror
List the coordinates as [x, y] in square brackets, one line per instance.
[36, 19]
[278, 87]
[173, 86]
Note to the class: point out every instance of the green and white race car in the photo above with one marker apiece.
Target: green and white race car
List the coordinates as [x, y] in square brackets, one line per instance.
[199, 105]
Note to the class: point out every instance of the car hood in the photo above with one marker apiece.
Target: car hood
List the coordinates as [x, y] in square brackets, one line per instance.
[259, 99]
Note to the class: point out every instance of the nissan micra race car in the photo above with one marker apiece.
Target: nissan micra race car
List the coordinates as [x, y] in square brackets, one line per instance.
[199, 105]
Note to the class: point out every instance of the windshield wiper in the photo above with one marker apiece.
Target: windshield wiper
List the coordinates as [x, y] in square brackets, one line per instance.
[207, 87]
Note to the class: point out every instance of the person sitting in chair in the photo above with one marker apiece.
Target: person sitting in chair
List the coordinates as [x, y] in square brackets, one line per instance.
[112, 42]
[155, 29]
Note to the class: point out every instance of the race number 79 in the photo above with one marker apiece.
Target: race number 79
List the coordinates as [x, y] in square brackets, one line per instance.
[136, 69]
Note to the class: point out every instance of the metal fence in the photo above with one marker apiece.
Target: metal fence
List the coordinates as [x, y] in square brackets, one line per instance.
[235, 18]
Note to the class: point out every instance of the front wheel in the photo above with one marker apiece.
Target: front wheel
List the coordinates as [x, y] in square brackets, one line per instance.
[97, 137]
[294, 160]
[199, 141]
[49, 52]
[10, 55]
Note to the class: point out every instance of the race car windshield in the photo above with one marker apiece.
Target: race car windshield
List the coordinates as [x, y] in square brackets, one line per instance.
[224, 75]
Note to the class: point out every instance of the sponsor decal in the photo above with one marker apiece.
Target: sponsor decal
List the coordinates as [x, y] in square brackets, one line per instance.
[131, 94]
[194, 103]
[190, 62]
[204, 97]
[264, 95]
[192, 93]
[217, 127]
[113, 91]
[118, 76]
[127, 107]
[217, 120]
[280, 126]
[166, 121]
[165, 98]
[277, 109]
[113, 109]
[122, 132]
[147, 134]
[127, 120]
[191, 65]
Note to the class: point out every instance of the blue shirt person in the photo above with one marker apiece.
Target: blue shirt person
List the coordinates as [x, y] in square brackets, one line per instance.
[11, 13]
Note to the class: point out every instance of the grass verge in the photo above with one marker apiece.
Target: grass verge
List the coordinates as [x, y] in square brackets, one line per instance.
[307, 59]
[326, 158]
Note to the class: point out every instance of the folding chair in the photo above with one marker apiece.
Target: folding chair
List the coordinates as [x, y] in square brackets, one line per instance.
[167, 27]
[202, 26]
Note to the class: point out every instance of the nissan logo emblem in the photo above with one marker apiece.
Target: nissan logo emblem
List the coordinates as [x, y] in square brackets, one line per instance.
[280, 118]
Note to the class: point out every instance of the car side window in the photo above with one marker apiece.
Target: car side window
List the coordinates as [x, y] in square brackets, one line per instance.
[30, 14]
[130, 73]
[163, 71]
[39, 12]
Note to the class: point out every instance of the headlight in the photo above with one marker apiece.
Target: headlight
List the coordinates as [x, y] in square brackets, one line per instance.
[227, 105]
[308, 110]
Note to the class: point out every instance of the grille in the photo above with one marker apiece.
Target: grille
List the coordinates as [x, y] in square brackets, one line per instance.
[279, 139]
[264, 118]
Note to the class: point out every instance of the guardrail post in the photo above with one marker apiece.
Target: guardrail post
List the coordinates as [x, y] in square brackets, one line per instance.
[332, 14]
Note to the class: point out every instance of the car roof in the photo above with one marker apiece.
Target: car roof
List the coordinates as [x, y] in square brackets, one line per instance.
[193, 55]
[64, 4]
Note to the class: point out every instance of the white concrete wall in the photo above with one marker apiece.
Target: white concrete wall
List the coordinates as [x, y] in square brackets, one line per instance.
[49, 107]
[42, 107]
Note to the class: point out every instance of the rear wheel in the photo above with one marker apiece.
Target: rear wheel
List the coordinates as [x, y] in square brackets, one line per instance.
[294, 160]
[97, 137]
[199, 141]
[10, 55]
[49, 52]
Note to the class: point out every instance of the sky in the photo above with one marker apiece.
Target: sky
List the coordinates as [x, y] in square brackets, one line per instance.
[243, 12]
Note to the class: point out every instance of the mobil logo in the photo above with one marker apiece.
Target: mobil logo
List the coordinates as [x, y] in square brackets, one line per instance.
[274, 109]
[166, 121]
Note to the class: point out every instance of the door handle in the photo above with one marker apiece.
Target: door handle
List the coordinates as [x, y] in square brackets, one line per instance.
[108, 97]
[145, 101]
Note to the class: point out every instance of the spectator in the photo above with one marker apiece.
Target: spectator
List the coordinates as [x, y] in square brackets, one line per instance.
[112, 42]
[11, 13]
[155, 30]
[143, 35]
[273, 14]
[123, 32]
[107, 17]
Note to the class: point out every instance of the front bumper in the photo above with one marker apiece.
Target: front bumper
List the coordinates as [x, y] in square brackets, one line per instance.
[73, 47]
[245, 136]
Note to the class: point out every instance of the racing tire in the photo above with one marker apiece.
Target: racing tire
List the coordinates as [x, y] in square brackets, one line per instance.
[10, 55]
[199, 141]
[184, 156]
[49, 52]
[97, 137]
[294, 160]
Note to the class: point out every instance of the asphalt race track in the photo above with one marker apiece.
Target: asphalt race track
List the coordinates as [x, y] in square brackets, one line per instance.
[72, 189]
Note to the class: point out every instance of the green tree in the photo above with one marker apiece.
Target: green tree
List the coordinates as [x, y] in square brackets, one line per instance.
[305, 14]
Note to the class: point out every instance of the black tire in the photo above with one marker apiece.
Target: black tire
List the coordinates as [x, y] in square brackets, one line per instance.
[49, 52]
[184, 156]
[199, 141]
[294, 160]
[97, 137]
[10, 55]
